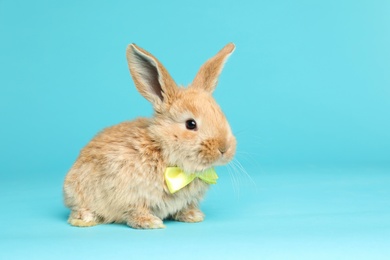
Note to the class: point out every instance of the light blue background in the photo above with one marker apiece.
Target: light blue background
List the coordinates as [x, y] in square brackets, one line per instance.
[307, 93]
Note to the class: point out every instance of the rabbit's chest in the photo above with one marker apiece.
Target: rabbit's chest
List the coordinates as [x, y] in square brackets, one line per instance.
[169, 204]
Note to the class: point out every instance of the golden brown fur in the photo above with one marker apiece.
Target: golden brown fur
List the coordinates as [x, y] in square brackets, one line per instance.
[118, 176]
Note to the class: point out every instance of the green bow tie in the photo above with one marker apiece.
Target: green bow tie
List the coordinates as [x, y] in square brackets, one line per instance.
[177, 179]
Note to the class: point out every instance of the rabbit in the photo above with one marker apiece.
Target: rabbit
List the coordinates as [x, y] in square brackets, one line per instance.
[118, 176]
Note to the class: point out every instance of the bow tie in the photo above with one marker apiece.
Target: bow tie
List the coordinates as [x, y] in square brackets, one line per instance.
[177, 179]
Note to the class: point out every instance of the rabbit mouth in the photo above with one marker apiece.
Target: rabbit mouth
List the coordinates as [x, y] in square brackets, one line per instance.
[223, 159]
[220, 158]
[203, 156]
[217, 151]
[204, 163]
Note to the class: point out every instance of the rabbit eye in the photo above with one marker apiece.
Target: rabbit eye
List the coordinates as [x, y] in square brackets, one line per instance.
[191, 124]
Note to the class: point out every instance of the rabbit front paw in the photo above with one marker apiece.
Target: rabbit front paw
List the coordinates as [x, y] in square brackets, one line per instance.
[189, 215]
[145, 221]
[82, 218]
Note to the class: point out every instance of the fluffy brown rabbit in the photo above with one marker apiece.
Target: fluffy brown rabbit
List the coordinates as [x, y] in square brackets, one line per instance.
[119, 175]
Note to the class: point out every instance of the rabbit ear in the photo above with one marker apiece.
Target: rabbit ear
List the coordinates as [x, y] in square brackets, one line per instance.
[207, 77]
[150, 77]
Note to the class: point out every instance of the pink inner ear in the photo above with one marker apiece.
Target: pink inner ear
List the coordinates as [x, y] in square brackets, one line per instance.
[149, 75]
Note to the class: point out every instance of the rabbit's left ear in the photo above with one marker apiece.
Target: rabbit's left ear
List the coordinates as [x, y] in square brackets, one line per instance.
[150, 77]
[207, 77]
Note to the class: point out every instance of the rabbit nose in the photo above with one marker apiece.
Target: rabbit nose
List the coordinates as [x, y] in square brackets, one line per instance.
[223, 149]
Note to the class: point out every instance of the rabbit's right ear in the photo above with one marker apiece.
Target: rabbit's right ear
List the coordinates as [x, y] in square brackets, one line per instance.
[150, 77]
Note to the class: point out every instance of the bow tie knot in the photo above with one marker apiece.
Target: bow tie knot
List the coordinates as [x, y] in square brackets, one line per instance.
[177, 179]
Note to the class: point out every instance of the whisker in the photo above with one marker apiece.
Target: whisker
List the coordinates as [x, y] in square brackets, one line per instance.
[243, 170]
[233, 180]
[235, 170]
[248, 157]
